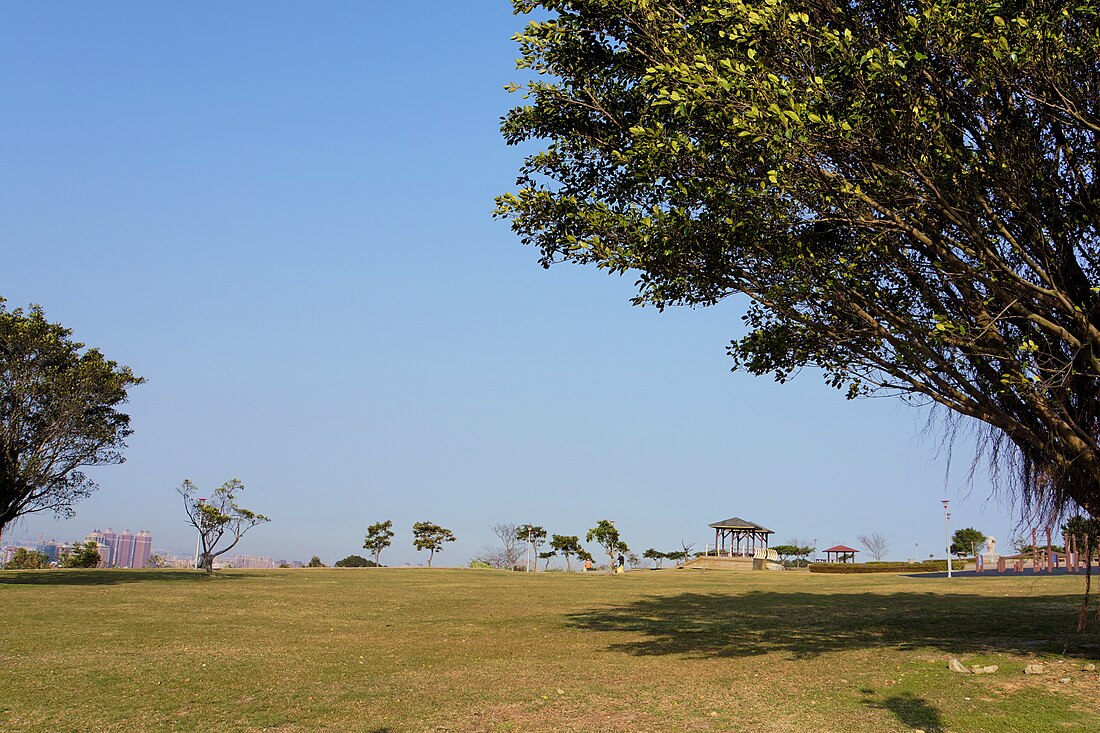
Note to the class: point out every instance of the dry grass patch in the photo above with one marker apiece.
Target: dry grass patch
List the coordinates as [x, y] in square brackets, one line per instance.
[414, 650]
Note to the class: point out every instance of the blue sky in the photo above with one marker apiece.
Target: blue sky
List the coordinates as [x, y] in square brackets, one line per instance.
[279, 214]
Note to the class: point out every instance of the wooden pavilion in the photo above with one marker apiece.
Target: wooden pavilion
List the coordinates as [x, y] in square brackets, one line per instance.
[736, 537]
[841, 553]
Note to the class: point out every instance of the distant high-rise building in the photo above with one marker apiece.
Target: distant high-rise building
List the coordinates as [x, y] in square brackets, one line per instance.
[251, 561]
[143, 548]
[105, 543]
[124, 550]
[52, 549]
[111, 540]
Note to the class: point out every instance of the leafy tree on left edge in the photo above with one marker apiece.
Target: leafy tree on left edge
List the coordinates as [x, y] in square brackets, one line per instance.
[58, 414]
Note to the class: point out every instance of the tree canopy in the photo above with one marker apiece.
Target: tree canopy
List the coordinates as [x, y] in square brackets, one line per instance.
[905, 193]
[567, 545]
[967, 541]
[431, 537]
[379, 537]
[58, 414]
[606, 535]
[83, 555]
[25, 559]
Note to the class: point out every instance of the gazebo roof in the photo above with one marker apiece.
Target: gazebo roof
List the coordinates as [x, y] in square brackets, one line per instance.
[840, 548]
[739, 523]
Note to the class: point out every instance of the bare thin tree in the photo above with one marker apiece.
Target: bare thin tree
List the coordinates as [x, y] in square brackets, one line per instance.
[876, 543]
[507, 554]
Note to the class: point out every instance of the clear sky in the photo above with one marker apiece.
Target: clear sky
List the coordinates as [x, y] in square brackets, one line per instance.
[280, 215]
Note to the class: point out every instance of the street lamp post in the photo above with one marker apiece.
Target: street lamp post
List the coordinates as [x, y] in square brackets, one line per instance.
[947, 534]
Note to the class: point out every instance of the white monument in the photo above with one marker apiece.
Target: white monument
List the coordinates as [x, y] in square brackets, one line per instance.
[989, 558]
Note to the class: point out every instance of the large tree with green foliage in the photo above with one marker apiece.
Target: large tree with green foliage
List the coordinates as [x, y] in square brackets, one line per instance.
[379, 537]
[26, 559]
[83, 555]
[906, 193]
[431, 537]
[218, 518]
[967, 541]
[606, 535]
[58, 414]
[567, 545]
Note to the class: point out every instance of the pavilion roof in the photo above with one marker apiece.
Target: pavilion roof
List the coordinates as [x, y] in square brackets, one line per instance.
[739, 523]
[840, 548]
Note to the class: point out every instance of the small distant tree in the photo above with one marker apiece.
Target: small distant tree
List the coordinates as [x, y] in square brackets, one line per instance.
[547, 556]
[218, 518]
[24, 559]
[786, 552]
[533, 534]
[876, 543]
[606, 536]
[355, 561]
[505, 556]
[378, 538]
[155, 561]
[83, 555]
[687, 550]
[1086, 532]
[656, 556]
[315, 562]
[431, 537]
[566, 545]
[966, 541]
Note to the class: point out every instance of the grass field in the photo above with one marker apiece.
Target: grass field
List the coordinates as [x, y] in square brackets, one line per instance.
[459, 650]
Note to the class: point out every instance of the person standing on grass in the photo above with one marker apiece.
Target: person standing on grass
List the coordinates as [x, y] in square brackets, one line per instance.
[587, 566]
[622, 563]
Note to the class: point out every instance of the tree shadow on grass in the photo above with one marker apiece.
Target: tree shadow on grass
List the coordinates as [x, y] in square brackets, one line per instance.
[912, 711]
[105, 577]
[805, 625]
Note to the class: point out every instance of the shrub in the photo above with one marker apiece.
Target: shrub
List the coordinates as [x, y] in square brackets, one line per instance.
[355, 561]
[845, 568]
[25, 559]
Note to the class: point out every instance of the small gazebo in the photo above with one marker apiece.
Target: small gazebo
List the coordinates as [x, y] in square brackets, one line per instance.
[736, 537]
[840, 553]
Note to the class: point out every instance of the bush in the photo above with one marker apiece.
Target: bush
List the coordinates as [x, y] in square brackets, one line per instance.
[25, 559]
[83, 555]
[480, 565]
[848, 568]
[356, 561]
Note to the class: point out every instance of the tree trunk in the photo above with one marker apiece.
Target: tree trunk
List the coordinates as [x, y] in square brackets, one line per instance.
[568, 567]
[431, 554]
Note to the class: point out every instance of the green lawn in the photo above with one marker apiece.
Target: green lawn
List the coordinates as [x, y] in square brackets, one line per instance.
[460, 650]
